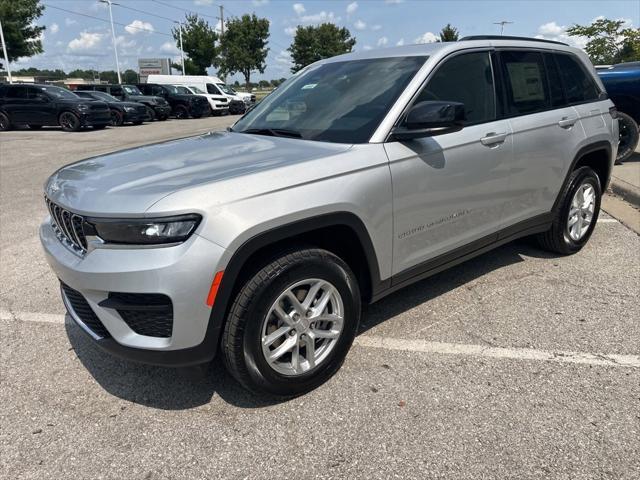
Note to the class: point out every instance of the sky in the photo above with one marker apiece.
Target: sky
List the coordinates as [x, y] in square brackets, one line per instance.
[75, 39]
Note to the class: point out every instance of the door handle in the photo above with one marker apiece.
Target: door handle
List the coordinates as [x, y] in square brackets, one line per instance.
[493, 138]
[567, 122]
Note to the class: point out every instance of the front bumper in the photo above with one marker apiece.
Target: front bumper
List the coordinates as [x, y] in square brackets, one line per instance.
[183, 273]
[89, 119]
[135, 116]
[162, 110]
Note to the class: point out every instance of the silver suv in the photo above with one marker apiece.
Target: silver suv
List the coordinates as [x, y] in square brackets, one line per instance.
[361, 174]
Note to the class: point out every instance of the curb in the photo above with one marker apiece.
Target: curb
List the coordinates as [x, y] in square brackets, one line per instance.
[628, 192]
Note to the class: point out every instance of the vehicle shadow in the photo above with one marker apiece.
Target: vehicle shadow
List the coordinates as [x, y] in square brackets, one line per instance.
[184, 388]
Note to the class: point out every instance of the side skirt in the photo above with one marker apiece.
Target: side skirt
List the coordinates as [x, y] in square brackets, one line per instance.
[537, 224]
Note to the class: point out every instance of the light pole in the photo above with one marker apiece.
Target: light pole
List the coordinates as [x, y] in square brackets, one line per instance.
[113, 37]
[6, 57]
[181, 49]
[502, 24]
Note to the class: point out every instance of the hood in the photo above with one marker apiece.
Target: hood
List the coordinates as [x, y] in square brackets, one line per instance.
[127, 183]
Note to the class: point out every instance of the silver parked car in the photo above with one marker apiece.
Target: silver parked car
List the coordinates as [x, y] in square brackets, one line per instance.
[361, 174]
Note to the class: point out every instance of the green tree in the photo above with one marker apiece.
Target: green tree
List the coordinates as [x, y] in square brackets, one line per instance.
[449, 34]
[314, 43]
[198, 41]
[21, 33]
[130, 76]
[608, 41]
[244, 46]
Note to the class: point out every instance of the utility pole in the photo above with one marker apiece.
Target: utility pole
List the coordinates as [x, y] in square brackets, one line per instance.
[6, 57]
[113, 37]
[181, 48]
[502, 24]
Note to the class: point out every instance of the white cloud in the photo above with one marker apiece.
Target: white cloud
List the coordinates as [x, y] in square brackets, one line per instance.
[138, 26]
[367, 47]
[558, 33]
[299, 8]
[400, 42]
[291, 31]
[375, 28]
[259, 3]
[86, 42]
[124, 44]
[321, 17]
[70, 21]
[352, 7]
[382, 41]
[390, 2]
[359, 25]
[427, 37]
[284, 58]
[54, 28]
[203, 3]
[169, 48]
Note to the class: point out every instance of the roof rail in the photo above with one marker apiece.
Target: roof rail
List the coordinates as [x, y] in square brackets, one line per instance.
[508, 37]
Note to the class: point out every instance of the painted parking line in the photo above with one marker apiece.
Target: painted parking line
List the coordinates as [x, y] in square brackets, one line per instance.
[607, 220]
[424, 346]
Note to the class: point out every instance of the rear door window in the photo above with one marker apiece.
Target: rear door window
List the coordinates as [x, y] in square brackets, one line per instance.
[468, 79]
[17, 93]
[579, 87]
[525, 82]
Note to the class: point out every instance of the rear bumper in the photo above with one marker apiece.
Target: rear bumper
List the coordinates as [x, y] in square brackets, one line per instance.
[183, 273]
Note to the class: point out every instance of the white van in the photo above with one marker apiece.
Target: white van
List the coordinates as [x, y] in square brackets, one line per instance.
[210, 85]
[219, 104]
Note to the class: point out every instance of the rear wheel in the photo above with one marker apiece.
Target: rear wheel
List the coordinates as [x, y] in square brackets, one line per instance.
[576, 215]
[5, 124]
[69, 122]
[629, 136]
[292, 323]
[117, 118]
[181, 112]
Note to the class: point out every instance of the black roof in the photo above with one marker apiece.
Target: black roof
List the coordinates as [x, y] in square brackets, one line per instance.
[508, 37]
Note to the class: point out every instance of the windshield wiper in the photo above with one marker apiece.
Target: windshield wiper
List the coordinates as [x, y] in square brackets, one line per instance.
[273, 132]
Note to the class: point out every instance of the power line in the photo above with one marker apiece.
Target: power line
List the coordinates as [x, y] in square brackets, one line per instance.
[147, 13]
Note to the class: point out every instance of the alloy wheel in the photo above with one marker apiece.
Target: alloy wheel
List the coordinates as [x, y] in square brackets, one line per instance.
[581, 211]
[302, 327]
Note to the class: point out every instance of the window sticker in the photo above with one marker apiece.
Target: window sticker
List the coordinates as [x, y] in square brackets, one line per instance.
[526, 81]
[309, 86]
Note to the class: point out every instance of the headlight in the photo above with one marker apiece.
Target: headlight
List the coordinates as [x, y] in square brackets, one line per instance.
[83, 107]
[144, 231]
[129, 109]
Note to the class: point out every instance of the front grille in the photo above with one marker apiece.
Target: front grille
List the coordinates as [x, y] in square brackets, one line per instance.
[84, 312]
[149, 314]
[141, 110]
[68, 227]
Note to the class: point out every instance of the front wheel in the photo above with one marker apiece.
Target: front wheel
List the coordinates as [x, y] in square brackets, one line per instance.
[69, 122]
[629, 137]
[292, 323]
[151, 114]
[117, 118]
[576, 215]
[181, 112]
[5, 124]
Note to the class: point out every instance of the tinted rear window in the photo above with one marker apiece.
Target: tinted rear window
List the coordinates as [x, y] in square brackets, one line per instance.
[525, 82]
[578, 85]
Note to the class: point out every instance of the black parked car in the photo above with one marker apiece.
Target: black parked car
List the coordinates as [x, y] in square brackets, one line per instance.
[182, 106]
[121, 112]
[46, 105]
[157, 107]
[237, 107]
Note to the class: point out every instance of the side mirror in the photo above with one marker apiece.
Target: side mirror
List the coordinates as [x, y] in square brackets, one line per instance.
[431, 118]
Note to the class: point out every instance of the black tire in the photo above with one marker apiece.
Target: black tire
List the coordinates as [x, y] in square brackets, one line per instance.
[5, 123]
[629, 137]
[117, 118]
[557, 239]
[151, 113]
[138, 122]
[99, 127]
[241, 339]
[69, 122]
[35, 127]
[163, 118]
[181, 112]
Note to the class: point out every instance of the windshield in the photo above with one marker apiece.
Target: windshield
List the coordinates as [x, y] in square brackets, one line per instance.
[195, 89]
[131, 90]
[226, 89]
[58, 92]
[184, 90]
[340, 102]
[104, 96]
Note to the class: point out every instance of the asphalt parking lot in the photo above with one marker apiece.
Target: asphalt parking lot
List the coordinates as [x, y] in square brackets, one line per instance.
[517, 364]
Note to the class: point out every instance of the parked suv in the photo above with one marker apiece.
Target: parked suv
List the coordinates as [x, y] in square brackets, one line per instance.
[361, 174]
[121, 112]
[182, 106]
[157, 107]
[47, 105]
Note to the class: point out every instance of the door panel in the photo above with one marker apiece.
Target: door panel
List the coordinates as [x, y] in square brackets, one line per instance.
[39, 108]
[448, 191]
